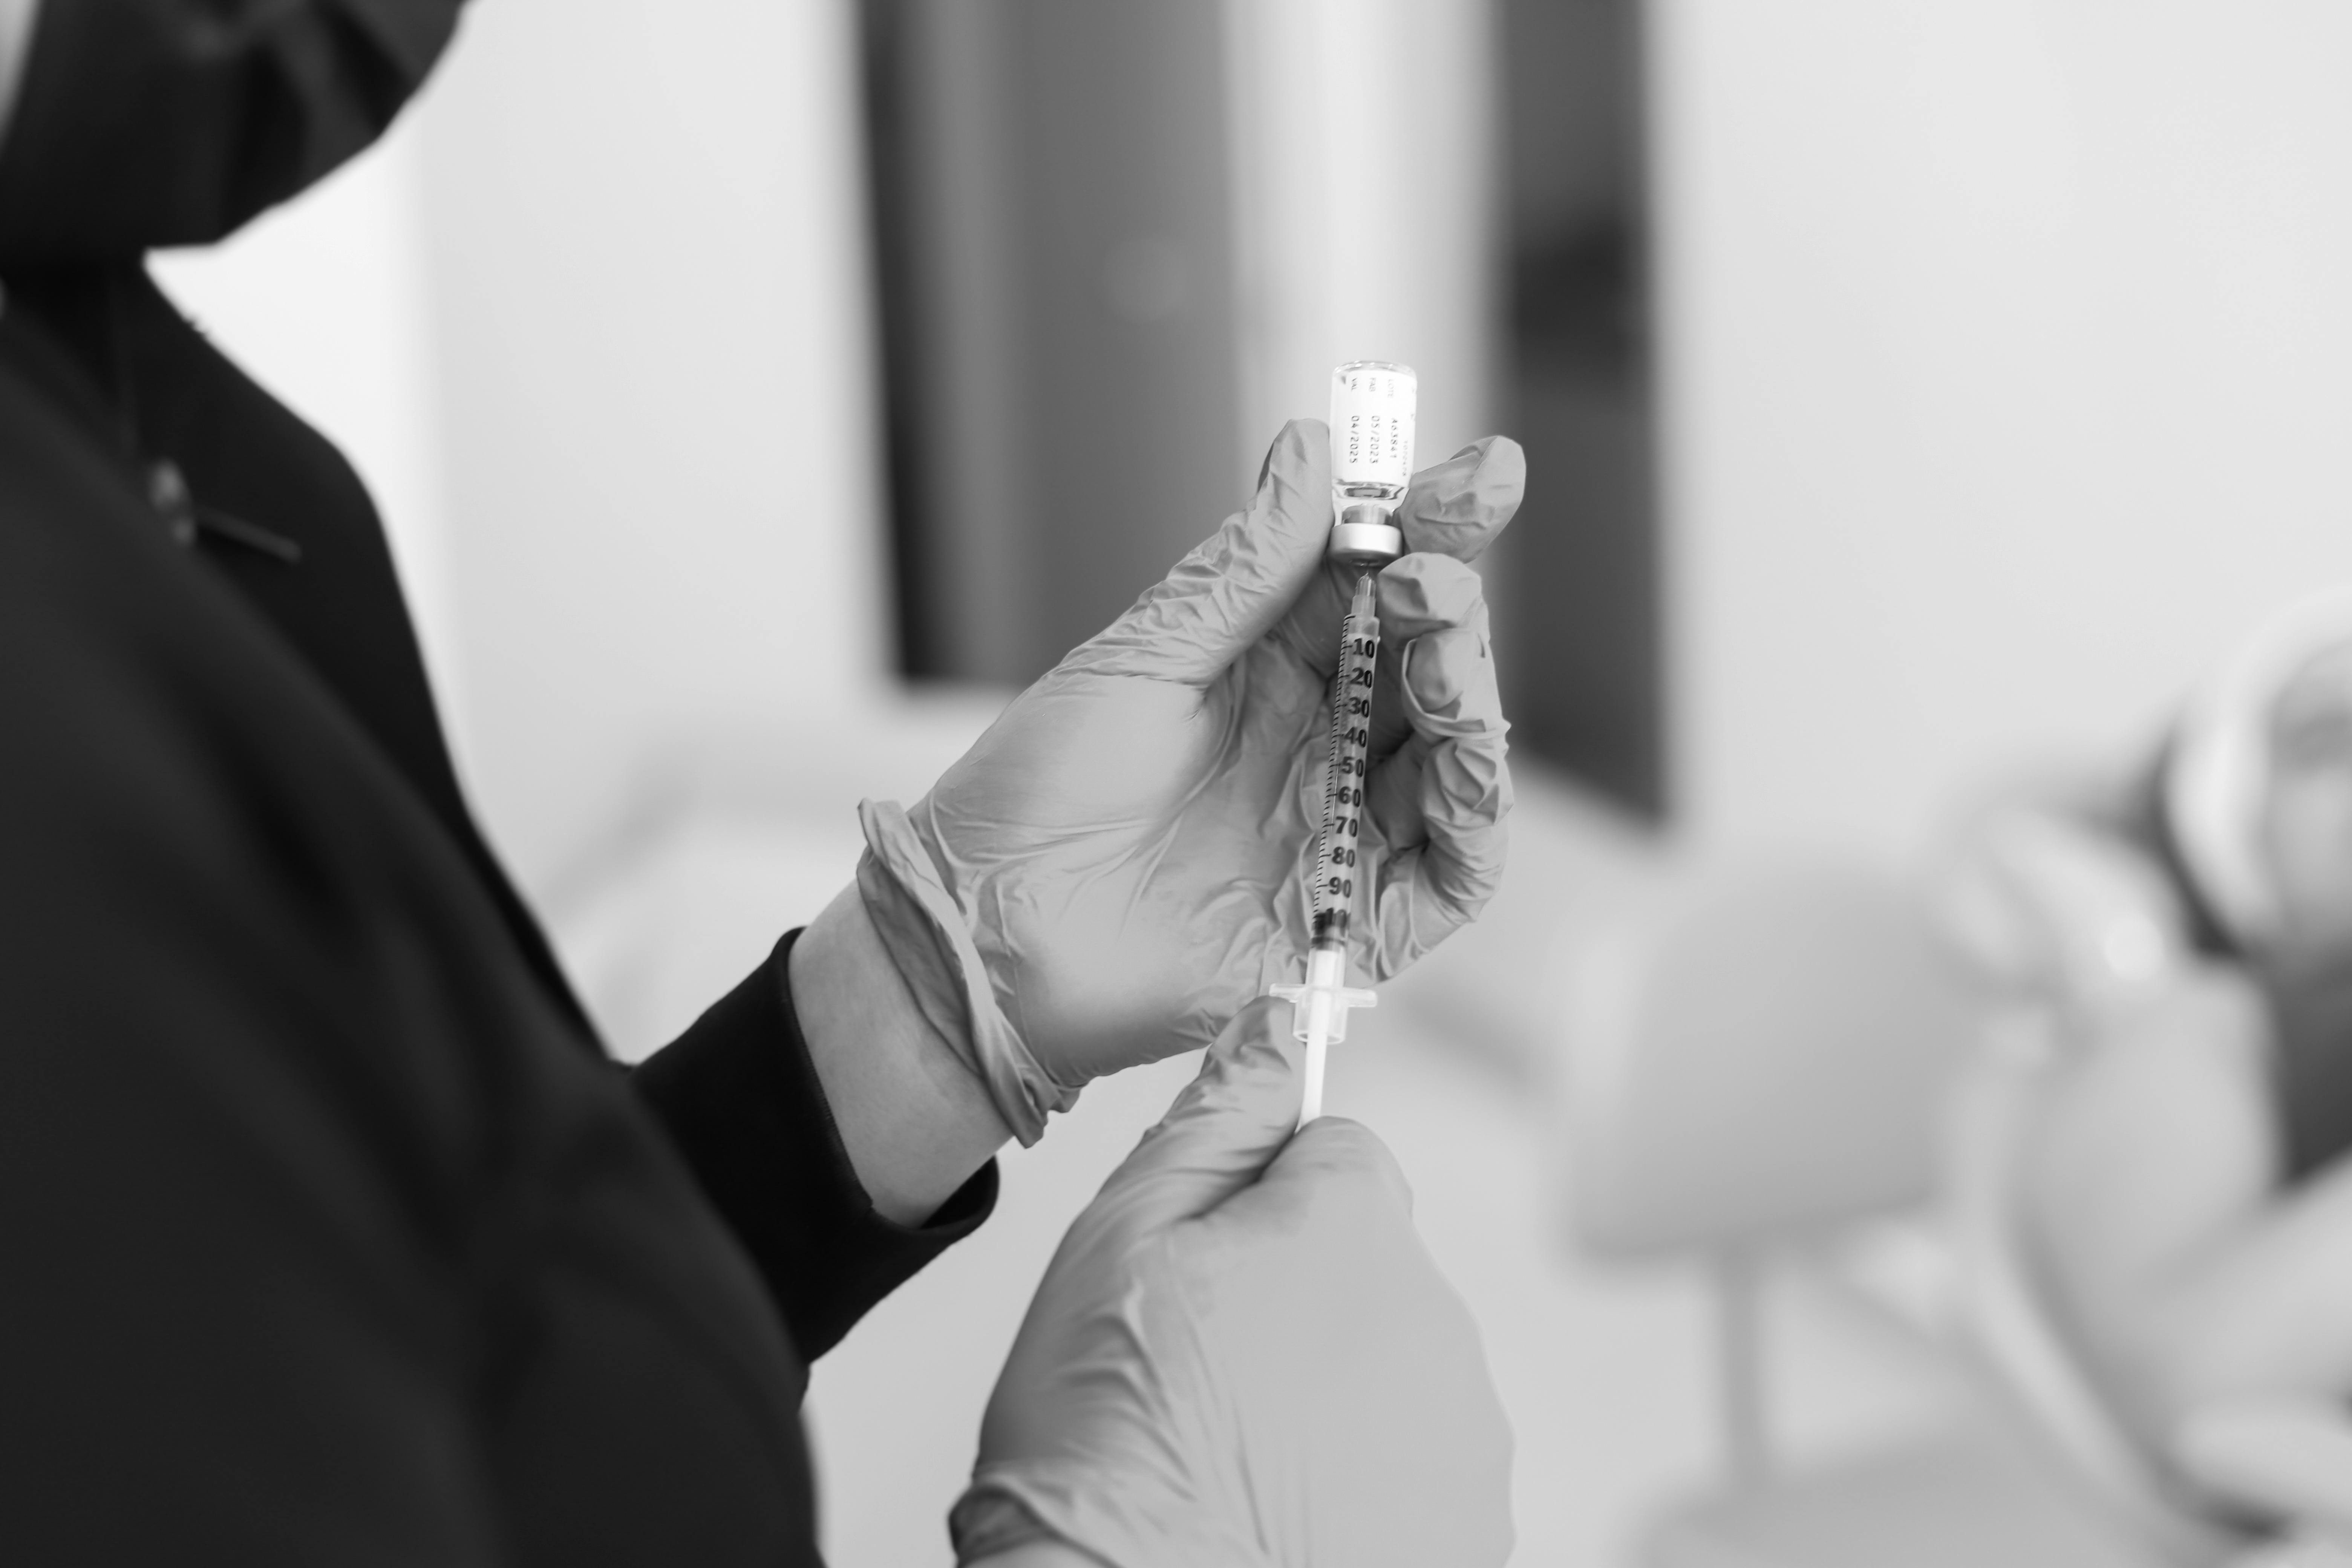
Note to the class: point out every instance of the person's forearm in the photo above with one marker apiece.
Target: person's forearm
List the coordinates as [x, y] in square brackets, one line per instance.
[2267, 1311]
[916, 1120]
[2287, 1459]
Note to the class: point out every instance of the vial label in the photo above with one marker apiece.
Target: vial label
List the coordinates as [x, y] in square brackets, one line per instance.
[1371, 429]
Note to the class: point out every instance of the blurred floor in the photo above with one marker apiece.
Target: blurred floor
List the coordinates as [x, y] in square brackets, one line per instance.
[1605, 1371]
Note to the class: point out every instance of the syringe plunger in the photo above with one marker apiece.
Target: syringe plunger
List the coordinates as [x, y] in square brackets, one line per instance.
[1320, 1014]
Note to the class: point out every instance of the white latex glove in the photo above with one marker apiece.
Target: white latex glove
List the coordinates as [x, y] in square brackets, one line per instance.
[1122, 861]
[1243, 1356]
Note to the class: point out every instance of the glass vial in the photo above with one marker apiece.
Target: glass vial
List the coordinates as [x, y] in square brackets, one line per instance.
[1371, 460]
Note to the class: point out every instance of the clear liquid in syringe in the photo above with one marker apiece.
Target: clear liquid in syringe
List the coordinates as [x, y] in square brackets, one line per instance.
[1325, 997]
[1337, 855]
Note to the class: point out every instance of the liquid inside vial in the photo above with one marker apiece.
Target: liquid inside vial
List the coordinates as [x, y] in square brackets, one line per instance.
[1372, 408]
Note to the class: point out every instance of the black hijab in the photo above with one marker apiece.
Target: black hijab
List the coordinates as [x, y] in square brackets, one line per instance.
[144, 123]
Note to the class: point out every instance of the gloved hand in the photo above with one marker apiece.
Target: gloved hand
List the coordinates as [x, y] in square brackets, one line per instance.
[1244, 1355]
[1122, 860]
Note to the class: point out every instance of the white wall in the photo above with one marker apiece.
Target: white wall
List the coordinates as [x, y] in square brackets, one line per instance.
[1363, 141]
[592, 323]
[2008, 376]
[647, 240]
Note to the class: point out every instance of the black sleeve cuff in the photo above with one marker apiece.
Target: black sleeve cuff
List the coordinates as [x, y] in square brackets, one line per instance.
[742, 1099]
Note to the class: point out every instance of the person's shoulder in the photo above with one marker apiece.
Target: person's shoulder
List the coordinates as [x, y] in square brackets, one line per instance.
[178, 781]
[109, 650]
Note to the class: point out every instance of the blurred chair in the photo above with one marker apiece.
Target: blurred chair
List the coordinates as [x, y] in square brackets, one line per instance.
[1763, 1062]
[2001, 1317]
[2003, 1321]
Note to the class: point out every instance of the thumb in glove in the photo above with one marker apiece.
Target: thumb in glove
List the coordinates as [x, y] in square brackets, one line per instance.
[1243, 1354]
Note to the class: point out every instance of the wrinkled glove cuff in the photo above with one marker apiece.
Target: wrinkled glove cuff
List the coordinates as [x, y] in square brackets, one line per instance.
[985, 1523]
[1014, 1505]
[929, 938]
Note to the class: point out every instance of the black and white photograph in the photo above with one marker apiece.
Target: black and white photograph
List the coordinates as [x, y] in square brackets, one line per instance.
[1176, 784]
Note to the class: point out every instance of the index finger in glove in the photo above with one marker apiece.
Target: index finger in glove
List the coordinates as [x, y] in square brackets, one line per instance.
[1223, 1129]
[1232, 589]
[1331, 1163]
[1419, 596]
[1460, 506]
[1453, 508]
[1441, 798]
[1264, 568]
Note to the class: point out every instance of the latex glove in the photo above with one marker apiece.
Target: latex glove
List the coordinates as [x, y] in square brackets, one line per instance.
[1122, 860]
[1244, 1355]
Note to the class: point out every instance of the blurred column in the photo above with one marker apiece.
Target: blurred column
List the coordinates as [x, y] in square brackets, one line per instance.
[1365, 180]
[1122, 242]
[1052, 207]
[1577, 596]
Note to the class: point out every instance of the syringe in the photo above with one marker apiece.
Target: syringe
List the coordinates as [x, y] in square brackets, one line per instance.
[1371, 463]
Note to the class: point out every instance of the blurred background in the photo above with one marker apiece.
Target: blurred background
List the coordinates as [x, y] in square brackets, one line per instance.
[759, 392]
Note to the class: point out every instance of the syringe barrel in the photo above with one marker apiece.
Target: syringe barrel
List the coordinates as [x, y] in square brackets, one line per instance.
[1372, 408]
[1338, 851]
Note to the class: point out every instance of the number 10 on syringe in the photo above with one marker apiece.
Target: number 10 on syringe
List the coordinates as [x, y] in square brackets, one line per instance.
[1371, 463]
